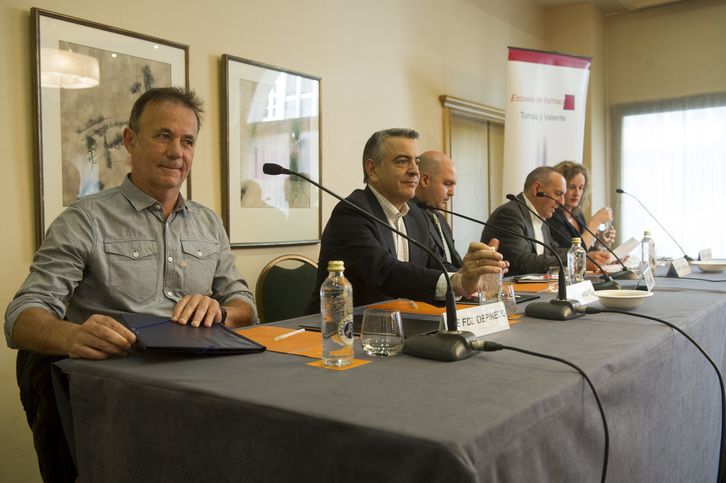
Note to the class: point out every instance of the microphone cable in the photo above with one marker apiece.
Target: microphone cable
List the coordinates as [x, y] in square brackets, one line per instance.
[701, 279]
[721, 462]
[489, 346]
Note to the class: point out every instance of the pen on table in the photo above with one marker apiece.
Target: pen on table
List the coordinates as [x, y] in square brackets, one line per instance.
[289, 334]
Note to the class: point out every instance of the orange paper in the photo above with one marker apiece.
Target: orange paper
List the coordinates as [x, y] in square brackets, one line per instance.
[305, 344]
[421, 307]
[355, 363]
[530, 287]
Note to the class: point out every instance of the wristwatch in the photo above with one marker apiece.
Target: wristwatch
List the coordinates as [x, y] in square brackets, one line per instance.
[224, 315]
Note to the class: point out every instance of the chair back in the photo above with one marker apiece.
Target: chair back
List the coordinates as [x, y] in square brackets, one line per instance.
[284, 287]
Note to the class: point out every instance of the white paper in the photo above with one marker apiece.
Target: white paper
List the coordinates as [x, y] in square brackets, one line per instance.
[624, 250]
[482, 319]
[583, 292]
[649, 277]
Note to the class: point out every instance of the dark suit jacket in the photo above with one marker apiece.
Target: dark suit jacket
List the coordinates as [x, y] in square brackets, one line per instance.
[520, 253]
[563, 231]
[369, 254]
[434, 233]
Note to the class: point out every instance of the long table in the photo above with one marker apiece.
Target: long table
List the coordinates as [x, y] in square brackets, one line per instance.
[495, 417]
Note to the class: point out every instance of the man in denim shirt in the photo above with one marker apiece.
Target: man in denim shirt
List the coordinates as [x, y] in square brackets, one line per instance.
[140, 247]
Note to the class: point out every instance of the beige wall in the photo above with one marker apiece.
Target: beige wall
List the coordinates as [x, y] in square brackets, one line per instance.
[383, 64]
[580, 30]
[666, 52]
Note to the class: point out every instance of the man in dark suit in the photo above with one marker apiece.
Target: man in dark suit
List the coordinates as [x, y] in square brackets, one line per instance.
[523, 255]
[436, 187]
[380, 264]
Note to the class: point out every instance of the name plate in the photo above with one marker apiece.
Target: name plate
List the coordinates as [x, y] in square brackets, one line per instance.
[482, 319]
[583, 292]
[679, 268]
[649, 278]
[705, 255]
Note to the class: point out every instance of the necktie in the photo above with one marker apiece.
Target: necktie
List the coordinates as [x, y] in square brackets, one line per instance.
[443, 239]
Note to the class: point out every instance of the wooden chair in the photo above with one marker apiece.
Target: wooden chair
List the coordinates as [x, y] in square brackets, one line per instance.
[284, 287]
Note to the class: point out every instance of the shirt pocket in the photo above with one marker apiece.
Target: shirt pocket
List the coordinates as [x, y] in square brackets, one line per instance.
[133, 268]
[199, 266]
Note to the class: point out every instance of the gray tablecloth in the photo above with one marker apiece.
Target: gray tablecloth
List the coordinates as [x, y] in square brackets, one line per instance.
[501, 416]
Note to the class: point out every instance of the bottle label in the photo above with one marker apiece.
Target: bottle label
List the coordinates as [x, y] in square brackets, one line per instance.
[345, 330]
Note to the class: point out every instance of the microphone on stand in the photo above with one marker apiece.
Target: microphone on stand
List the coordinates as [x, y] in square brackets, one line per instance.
[609, 284]
[622, 192]
[448, 345]
[557, 309]
[625, 273]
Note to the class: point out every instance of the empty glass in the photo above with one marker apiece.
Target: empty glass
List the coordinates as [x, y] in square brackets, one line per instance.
[553, 275]
[381, 333]
[489, 287]
[509, 299]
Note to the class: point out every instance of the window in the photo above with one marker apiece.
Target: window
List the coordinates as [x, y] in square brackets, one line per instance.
[671, 155]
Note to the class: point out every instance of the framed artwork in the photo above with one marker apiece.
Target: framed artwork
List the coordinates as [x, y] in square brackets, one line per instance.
[87, 77]
[270, 115]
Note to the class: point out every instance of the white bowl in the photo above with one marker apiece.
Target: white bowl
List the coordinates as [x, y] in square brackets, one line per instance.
[622, 299]
[712, 266]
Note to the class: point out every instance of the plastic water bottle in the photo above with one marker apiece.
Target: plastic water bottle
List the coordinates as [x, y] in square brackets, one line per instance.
[336, 310]
[576, 263]
[647, 253]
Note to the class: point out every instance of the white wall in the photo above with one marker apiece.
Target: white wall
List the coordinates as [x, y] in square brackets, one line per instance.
[383, 64]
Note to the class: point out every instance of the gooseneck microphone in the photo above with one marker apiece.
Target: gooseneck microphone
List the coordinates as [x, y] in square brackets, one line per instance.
[625, 273]
[557, 309]
[560, 281]
[608, 284]
[448, 345]
[623, 192]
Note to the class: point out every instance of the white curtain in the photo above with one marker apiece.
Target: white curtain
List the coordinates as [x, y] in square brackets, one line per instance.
[671, 155]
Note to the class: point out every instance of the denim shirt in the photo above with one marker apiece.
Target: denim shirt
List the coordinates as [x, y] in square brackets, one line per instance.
[114, 252]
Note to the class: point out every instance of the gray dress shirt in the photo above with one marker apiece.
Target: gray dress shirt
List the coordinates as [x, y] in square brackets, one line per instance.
[114, 252]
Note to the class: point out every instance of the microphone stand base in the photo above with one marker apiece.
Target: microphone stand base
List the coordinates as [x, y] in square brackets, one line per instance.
[554, 309]
[444, 345]
[624, 275]
[607, 285]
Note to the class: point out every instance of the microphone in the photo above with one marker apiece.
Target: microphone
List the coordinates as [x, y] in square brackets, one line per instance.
[609, 283]
[622, 192]
[448, 345]
[625, 273]
[557, 309]
[542, 311]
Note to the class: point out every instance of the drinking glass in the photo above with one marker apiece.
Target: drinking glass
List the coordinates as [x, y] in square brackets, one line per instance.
[489, 287]
[509, 299]
[602, 236]
[553, 275]
[381, 333]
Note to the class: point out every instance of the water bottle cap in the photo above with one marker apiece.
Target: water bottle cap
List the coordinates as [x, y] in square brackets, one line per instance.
[646, 233]
[336, 266]
[576, 240]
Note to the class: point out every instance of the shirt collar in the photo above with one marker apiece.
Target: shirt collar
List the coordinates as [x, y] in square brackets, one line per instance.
[141, 200]
[391, 212]
[536, 221]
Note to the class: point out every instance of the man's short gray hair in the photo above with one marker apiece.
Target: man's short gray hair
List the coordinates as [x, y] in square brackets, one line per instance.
[539, 174]
[176, 95]
[375, 149]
